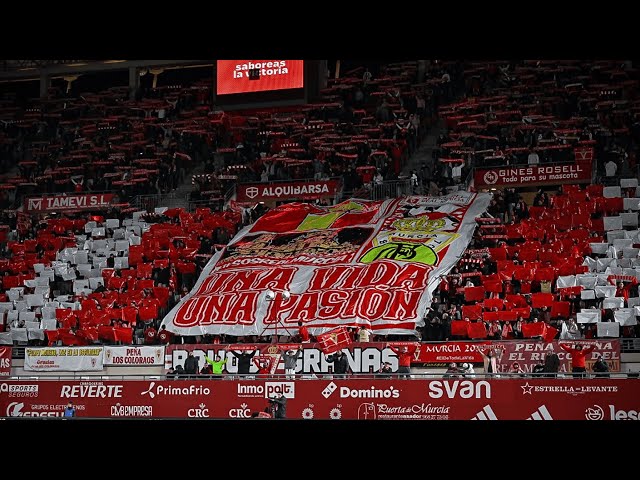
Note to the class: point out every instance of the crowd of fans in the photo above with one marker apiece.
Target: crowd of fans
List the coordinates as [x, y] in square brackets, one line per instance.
[527, 263]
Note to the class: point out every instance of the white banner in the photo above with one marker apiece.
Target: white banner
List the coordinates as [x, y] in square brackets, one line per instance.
[134, 356]
[68, 359]
[588, 316]
[358, 262]
[625, 316]
[608, 329]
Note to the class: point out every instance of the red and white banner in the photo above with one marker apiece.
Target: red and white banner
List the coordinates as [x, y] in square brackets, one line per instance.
[578, 172]
[334, 340]
[68, 359]
[336, 399]
[71, 201]
[529, 354]
[5, 361]
[368, 357]
[133, 356]
[311, 190]
[243, 76]
[358, 262]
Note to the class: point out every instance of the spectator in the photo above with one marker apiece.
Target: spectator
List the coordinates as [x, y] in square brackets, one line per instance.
[364, 334]
[340, 364]
[244, 361]
[490, 358]
[217, 365]
[516, 369]
[452, 371]
[610, 169]
[405, 355]
[171, 373]
[191, 364]
[385, 370]
[551, 364]
[533, 158]
[578, 357]
[279, 405]
[290, 360]
[70, 410]
[467, 370]
[303, 333]
[601, 368]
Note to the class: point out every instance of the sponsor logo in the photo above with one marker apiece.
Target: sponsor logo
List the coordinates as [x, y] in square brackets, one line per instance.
[571, 390]
[329, 389]
[486, 413]
[288, 389]
[461, 389]
[541, 414]
[200, 412]
[91, 391]
[15, 409]
[373, 411]
[19, 390]
[250, 390]
[490, 177]
[252, 192]
[623, 414]
[594, 413]
[372, 392]
[118, 410]
[160, 390]
[242, 412]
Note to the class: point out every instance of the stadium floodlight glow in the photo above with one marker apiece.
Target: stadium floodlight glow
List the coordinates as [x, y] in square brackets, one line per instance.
[270, 295]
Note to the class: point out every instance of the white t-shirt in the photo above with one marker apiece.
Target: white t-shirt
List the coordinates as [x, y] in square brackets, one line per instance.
[533, 158]
[610, 168]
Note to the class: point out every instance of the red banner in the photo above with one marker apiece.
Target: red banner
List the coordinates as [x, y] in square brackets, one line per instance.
[368, 357]
[5, 361]
[334, 340]
[242, 76]
[364, 399]
[260, 192]
[73, 201]
[579, 172]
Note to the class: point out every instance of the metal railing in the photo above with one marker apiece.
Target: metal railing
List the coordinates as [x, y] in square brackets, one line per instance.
[329, 376]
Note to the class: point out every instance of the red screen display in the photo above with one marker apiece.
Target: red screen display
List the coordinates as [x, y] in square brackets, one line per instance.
[243, 76]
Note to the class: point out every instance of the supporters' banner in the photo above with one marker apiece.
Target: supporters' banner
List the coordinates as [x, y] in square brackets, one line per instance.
[363, 399]
[134, 356]
[5, 361]
[262, 192]
[334, 340]
[72, 201]
[72, 359]
[530, 353]
[579, 172]
[352, 263]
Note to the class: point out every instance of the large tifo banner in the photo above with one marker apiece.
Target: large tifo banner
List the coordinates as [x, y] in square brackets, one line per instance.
[134, 356]
[5, 361]
[358, 262]
[70, 359]
[71, 201]
[262, 192]
[243, 76]
[578, 172]
[336, 399]
[369, 357]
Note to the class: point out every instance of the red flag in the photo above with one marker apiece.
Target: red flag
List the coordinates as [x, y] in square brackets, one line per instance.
[476, 330]
[474, 294]
[459, 327]
[550, 333]
[334, 340]
[537, 329]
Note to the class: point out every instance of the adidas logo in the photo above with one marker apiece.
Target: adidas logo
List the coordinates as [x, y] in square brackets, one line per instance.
[541, 414]
[485, 414]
